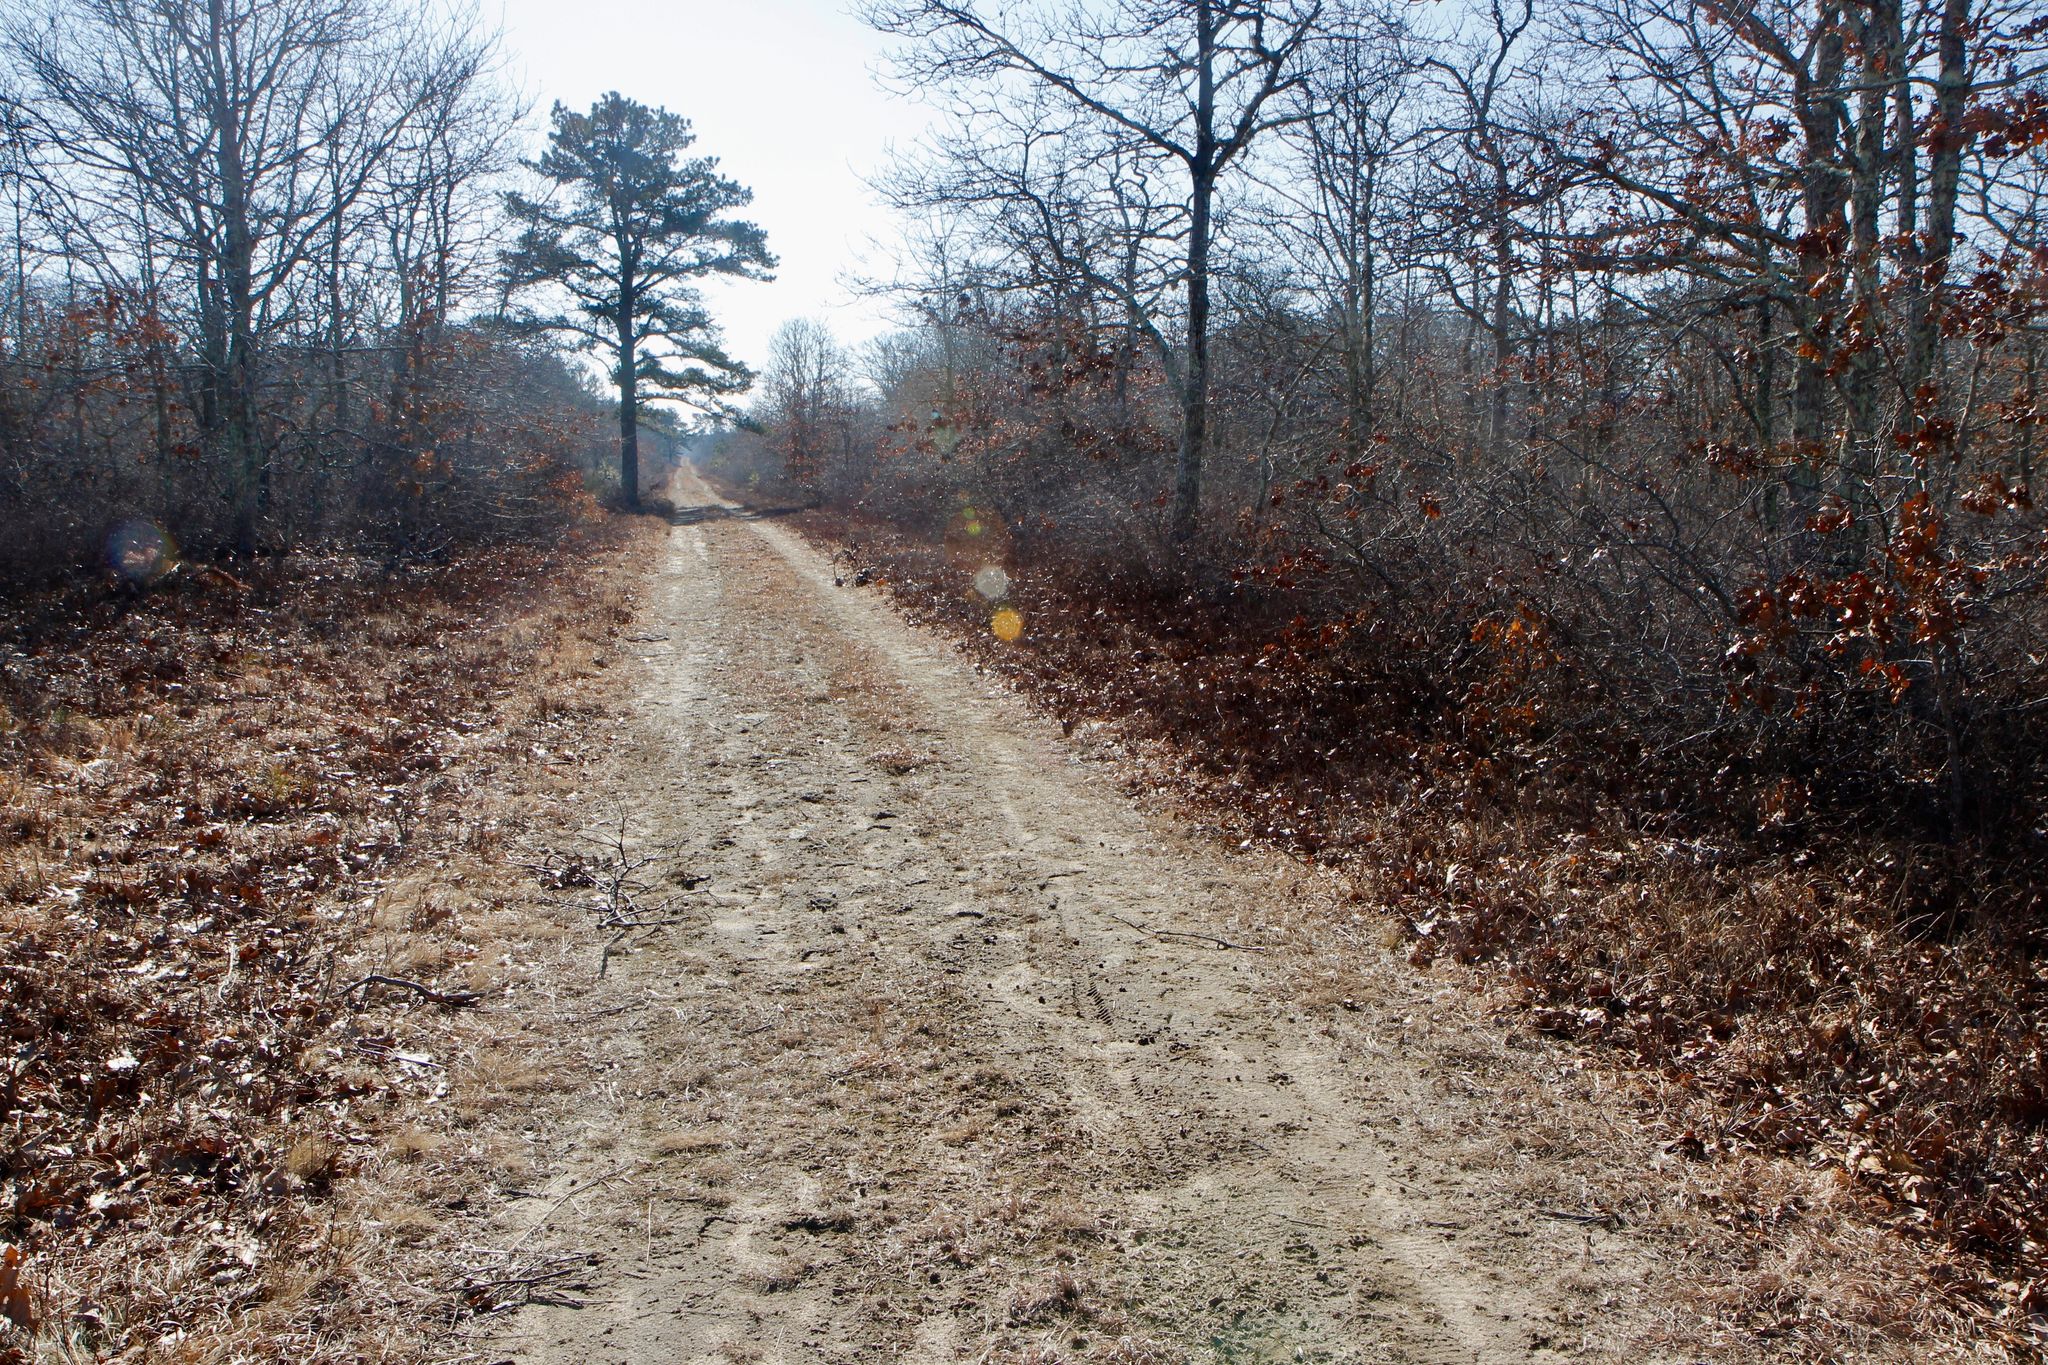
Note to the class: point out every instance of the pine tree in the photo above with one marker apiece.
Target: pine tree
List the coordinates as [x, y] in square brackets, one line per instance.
[628, 228]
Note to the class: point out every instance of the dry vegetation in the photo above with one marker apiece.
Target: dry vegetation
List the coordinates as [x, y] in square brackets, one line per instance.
[1784, 986]
[1584, 500]
[227, 804]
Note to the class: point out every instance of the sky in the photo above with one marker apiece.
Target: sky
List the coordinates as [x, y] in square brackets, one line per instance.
[782, 92]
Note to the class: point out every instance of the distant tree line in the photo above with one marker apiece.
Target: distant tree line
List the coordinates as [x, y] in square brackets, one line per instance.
[1671, 367]
[263, 286]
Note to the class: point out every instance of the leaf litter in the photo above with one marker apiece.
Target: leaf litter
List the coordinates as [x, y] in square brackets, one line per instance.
[1823, 990]
[209, 797]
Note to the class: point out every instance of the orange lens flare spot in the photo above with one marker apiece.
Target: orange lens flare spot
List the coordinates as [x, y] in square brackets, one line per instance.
[1008, 626]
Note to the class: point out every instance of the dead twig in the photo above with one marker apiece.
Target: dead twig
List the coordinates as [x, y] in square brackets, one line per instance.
[487, 1292]
[451, 999]
[604, 959]
[613, 1174]
[517, 1281]
[387, 1053]
[605, 1014]
[1605, 1219]
[1181, 933]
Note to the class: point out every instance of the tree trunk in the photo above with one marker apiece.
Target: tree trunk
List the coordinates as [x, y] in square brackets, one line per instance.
[1367, 376]
[629, 406]
[1358, 302]
[1194, 430]
[244, 441]
[1947, 139]
[1194, 433]
[337, 333]
[1503, 336]
[1869, 165]
[1823, 195]
[238, 389]
[157, 357]
[20, 282]
[1764, 419]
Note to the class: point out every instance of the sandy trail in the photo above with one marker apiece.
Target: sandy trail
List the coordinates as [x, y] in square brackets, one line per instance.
[938, 1056]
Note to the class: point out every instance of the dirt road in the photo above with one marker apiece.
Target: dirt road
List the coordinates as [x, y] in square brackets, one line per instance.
[939, 1049]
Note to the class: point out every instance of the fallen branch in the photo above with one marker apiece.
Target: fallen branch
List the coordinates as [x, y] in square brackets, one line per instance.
[1181, 933]
[1609, 1220]
[451, 999]
[604, 1014]
[556, 1207]
[385, 1052]
[517, 1281]
[485, 1293]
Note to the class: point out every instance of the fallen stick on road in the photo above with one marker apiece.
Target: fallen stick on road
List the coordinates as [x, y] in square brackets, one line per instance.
[556, 1207]
[1609, 1220]
[1180, 933]
[452, 999]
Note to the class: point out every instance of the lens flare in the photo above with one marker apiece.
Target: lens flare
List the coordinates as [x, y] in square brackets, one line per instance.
[976, 535]
[991, 582]
[1008, 625]
[140, 552]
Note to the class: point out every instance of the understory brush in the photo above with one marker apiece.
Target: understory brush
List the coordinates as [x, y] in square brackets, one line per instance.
[1813, 974]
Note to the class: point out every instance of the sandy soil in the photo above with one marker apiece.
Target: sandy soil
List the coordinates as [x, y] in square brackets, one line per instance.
[936, 1047]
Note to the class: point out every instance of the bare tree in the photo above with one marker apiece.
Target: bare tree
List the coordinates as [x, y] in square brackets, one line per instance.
[231, 136]
[1198, 82]
[1327, 196]
[806, 397]
[1081, 220]
[1489, 175]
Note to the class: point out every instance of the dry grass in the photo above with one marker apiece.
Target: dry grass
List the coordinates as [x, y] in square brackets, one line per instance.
[416, 1144]
[407, 1224]
[212, 814]
[1060, 1294]
[1068, 1218]
[964, 1131]
[687, 1144]
[312, 1161]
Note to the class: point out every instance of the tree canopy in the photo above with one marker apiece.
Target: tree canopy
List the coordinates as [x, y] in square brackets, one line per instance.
[628, 225]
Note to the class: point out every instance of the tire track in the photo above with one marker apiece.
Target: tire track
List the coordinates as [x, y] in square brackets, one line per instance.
[915, 1066]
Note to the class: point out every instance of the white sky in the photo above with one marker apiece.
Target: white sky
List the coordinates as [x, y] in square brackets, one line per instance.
[780, 91]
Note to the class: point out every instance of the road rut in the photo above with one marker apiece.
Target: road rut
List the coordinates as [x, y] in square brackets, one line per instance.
[939, 1048]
